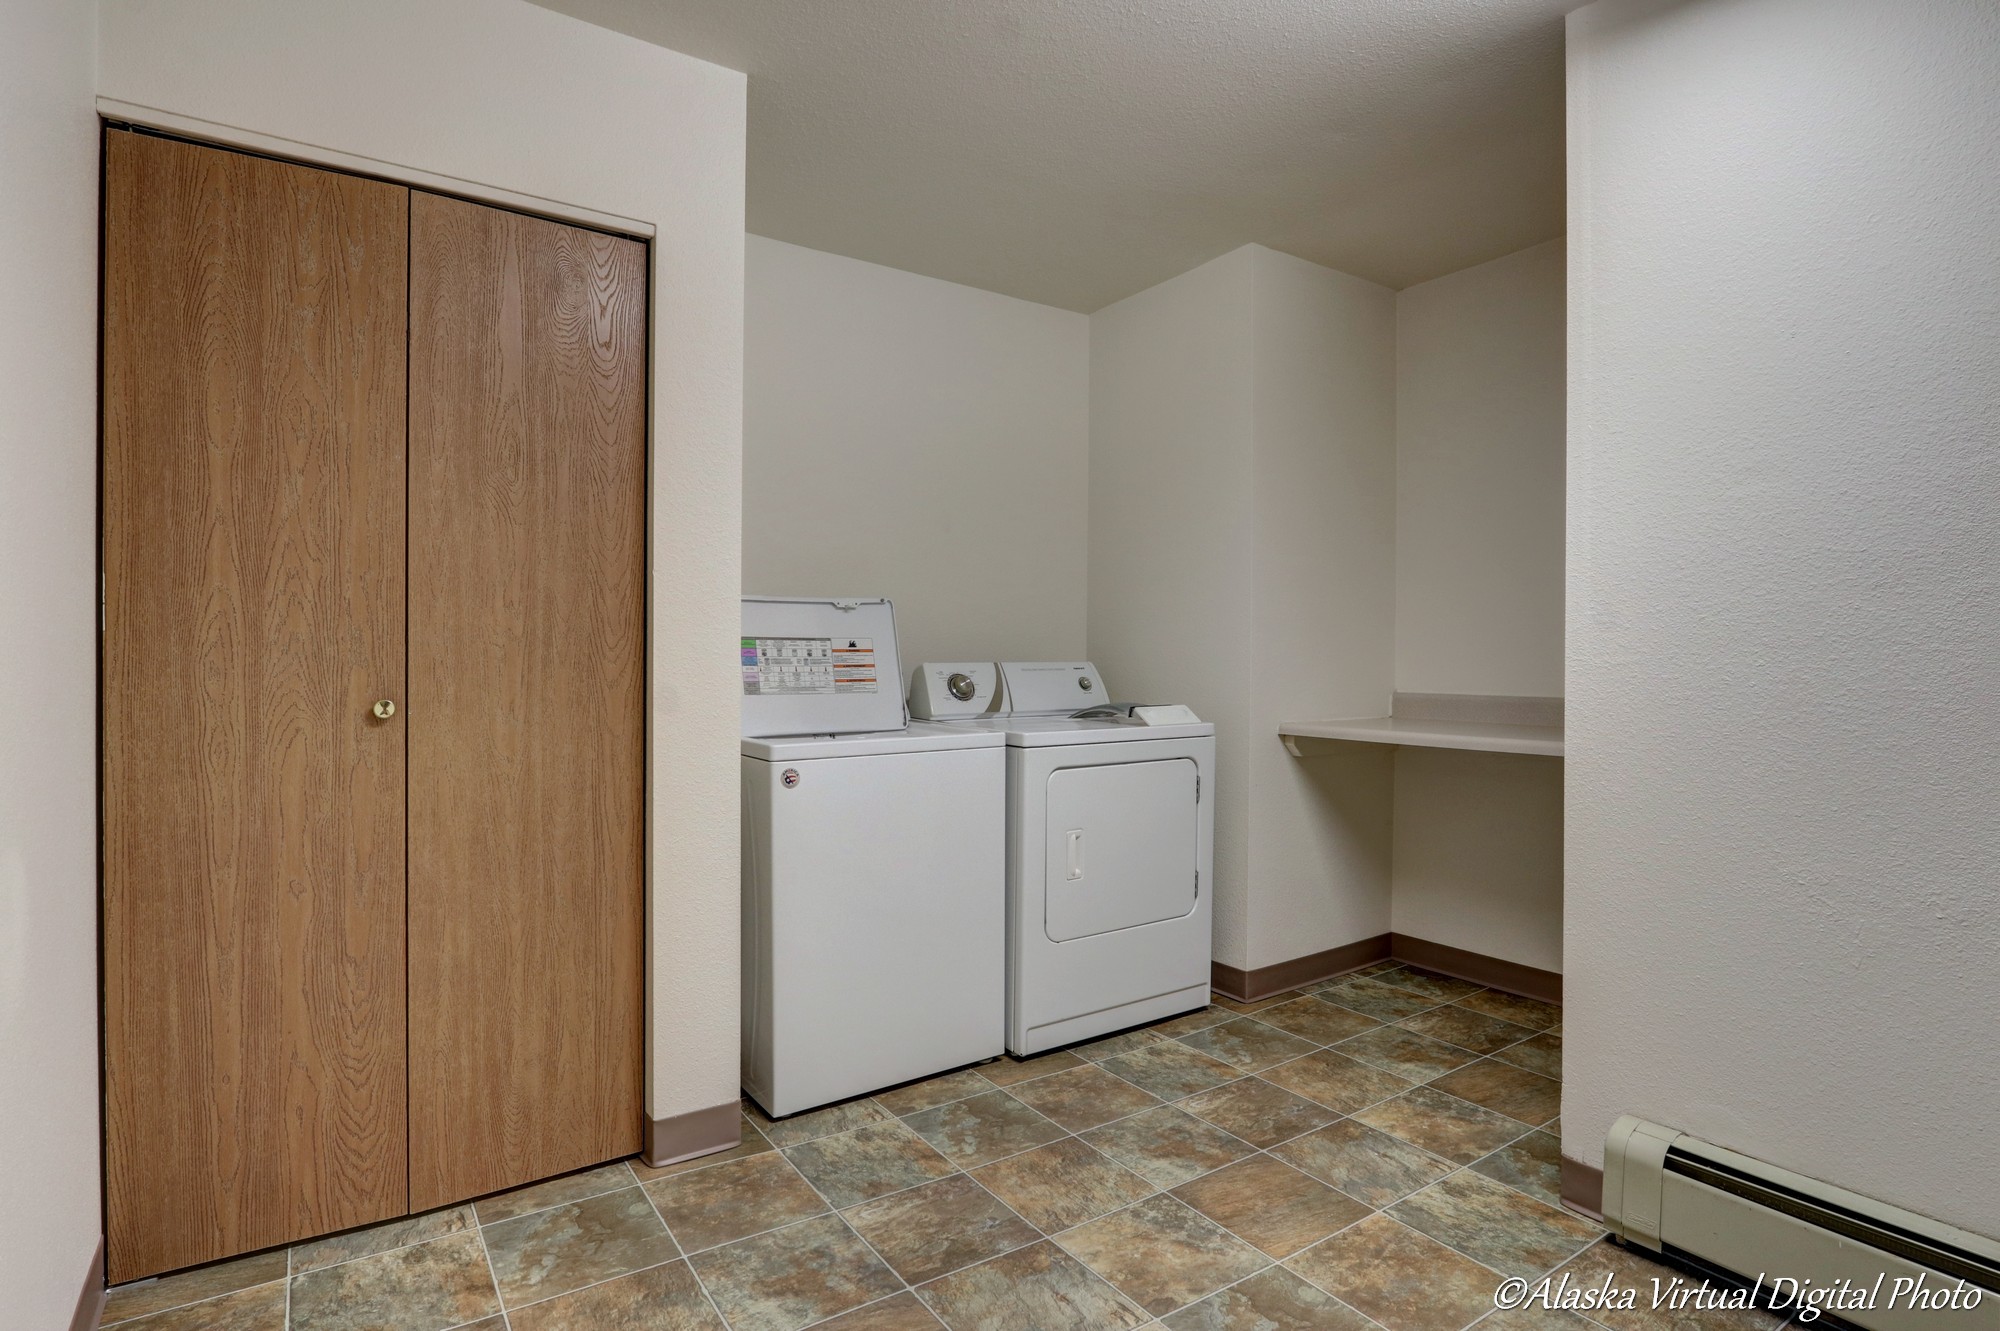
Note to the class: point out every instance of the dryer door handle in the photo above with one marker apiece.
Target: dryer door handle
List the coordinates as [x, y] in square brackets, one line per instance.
[1075, 846]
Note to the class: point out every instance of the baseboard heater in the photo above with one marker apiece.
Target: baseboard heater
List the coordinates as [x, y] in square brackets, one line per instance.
[1859, 1260]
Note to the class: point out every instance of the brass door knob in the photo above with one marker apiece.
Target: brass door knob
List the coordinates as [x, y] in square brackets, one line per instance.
[384, 709]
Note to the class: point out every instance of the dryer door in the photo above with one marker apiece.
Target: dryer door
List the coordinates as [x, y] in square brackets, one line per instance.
[1121, 846]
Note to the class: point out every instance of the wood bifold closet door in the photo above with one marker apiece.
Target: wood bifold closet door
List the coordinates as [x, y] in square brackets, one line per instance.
[253, 609]
[527, 516]
[362, 444]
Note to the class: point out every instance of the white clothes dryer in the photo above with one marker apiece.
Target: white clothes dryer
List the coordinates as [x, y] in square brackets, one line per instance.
[1110, 850]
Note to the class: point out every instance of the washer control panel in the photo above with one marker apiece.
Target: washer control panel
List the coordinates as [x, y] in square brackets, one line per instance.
[956, 691]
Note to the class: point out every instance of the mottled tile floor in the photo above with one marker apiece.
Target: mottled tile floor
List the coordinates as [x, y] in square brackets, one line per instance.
[1375, 1153]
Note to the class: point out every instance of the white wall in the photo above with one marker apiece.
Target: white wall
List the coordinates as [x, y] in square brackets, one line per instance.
[1784, 587]
[1479, 597]
[1479, 479]
[501, 93]
[1478, 853]
[918, 439]
[1240, 508]
[1323, 464]
[1170, 520]
[49, 1218]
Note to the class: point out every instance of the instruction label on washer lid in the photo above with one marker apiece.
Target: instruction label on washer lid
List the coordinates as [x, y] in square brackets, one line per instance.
[809, 665]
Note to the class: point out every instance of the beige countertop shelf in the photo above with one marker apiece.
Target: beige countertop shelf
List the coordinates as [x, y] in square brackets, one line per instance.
[1303, 737]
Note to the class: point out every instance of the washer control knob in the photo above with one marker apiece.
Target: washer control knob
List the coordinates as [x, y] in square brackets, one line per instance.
[1084, 682]
[962, 685]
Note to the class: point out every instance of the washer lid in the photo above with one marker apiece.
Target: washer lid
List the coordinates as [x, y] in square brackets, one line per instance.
[820, 666]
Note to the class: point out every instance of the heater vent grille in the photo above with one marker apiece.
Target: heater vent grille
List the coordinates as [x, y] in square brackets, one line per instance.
[1942, 1258]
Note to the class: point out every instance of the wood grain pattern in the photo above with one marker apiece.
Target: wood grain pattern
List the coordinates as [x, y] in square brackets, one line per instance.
[254, 396]
[527, 621]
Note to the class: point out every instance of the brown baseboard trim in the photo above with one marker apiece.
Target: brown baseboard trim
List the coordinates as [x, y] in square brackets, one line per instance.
[1479, 968]
[1246, 986]
[697, 1132]
[90, 1303]
[1583, 1188]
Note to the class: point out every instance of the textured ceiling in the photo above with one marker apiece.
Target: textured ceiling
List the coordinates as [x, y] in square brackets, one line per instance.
[1076, 151]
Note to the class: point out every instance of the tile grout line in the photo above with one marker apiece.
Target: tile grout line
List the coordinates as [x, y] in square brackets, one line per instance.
[1527, 1130]
[176, 1307]
[1453, 1166]
[955, 1167]
[540, 1210]
[1380, 1024]
[699, 1283]
[680, 1253]
[1383, 1212]
[834, 1211]
[1468, 1256]
[1045, 1236]
[1078, 1136]
[362, 1257]
[1258, 1076]
[482, 1224]
[1041, 1235]
[835, 1214]
[863, 1307]
[291, 1276]
[1269, 1261]
[635, 1271]
[499, 1299]
[1279, 1263]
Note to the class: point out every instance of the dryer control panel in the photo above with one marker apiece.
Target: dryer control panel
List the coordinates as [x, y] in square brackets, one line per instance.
[1052, 688]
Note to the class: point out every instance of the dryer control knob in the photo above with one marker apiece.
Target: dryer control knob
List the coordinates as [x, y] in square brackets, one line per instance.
[962, 686]
[1083, 682]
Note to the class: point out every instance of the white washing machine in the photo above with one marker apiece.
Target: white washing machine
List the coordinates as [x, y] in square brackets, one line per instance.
[1110, 848]
[874, 880]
